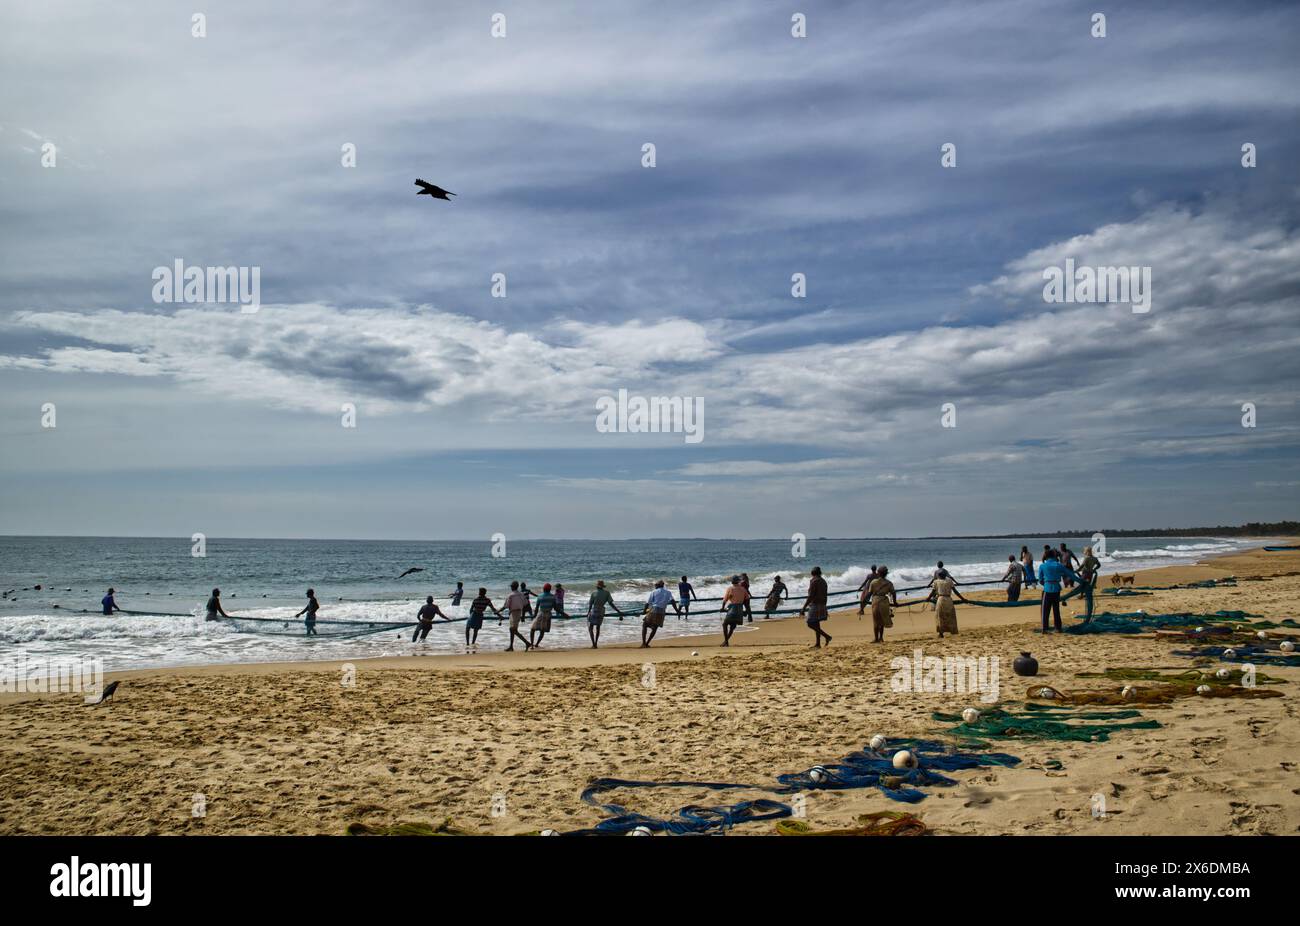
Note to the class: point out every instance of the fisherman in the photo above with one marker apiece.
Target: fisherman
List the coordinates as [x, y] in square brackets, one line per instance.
[1027, 564]
[656, 607]
[544, 604]
[109, 603]
[1090, 570]
[880, 593]
[559, 600]
[942, 588]
[778, 594]
[685, 594]
[475, 623]
[517, 604]
[862, 590]
[458, 594]
[1069, 561]
[1013, 577]
[1050, 573]
[425, 616]
[310, 610]
[214, 608]
[815, 606]
[734, 602]
[596, 604]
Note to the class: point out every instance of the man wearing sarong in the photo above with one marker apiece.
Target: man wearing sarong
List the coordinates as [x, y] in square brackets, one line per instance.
[880, 594]
[815, 607]
[734, 603]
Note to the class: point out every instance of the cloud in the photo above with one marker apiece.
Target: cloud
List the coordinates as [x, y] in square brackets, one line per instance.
[314, 357]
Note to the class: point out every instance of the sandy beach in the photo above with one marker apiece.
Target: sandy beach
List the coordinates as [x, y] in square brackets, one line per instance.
[503, 743]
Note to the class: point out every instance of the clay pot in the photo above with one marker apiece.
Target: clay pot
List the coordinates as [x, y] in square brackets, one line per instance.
[1025, 665]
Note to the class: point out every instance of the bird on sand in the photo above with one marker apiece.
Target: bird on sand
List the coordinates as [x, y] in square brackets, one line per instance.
[430, 189]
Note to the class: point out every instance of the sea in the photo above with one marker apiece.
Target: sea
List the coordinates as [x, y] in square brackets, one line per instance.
[167, 585]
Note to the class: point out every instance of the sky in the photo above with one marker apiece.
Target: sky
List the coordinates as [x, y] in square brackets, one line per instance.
[920, 383]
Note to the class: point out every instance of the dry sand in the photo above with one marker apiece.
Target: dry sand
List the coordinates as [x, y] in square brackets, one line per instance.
[289, 749]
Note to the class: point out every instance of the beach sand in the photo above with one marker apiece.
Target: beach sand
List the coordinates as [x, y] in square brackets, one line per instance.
[505, 742]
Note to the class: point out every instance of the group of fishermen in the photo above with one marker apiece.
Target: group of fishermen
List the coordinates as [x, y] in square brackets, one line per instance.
[1057, 568]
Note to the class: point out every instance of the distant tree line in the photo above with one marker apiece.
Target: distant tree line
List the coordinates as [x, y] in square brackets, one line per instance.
[1251, 529]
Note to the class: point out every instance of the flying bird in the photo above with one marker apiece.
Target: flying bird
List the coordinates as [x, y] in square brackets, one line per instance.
[411, 570]
[430, 189]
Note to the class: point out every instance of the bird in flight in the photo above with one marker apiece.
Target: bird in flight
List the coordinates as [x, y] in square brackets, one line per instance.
[411, 570]
[435, 191]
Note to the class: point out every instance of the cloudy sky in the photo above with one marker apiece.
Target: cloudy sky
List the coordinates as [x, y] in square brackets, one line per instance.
[774, 156]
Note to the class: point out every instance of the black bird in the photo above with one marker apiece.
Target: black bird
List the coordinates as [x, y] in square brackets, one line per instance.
[109, 689]
[430, 189]
[411, 570]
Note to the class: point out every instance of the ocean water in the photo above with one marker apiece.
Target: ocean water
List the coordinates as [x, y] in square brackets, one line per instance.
[358, 580]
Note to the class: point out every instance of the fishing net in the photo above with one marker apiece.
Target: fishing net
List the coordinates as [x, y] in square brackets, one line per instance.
[296, 627]
[1188, 677]
[870, 769]
[880, 823]
[1142, 622]
[1038, 721]
[692, 819]
[863, 769]
[1165, 693]
[1252, 653]
[445, 828]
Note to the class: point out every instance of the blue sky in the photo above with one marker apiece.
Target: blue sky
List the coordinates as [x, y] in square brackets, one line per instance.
[774, 156]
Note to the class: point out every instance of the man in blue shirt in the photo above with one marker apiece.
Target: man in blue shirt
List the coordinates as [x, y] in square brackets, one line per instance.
[685, 593]
[110, 605]
[1050, 573]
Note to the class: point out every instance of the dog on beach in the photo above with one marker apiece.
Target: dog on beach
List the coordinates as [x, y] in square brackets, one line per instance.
[1117, 580]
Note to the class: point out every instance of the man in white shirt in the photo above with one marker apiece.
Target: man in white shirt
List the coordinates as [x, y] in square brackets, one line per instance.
[655, 608]
[517, 604]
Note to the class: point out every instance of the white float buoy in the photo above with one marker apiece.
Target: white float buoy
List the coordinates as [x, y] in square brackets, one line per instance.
[1263, 635]
[818, 774]
[904, 759]
[970, 715]
[1200, 630]
[1287, 646]
[877, 742]
[1202, 689]
[695, 652]
[1224, 673]
[641, 831]
[1129, 693]
[1046, 693]
[1229, 653]
[549, 833]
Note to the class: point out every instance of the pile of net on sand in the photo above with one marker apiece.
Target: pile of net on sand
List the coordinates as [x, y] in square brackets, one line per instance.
[1040, 721]
[880, 823]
